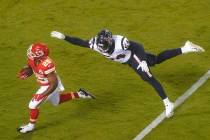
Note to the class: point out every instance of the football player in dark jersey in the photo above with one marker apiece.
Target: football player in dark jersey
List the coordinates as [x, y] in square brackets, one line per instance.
[118, 48]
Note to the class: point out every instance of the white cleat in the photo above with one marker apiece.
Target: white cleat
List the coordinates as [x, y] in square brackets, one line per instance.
[25, 128]
[169, 110]
[191, 47]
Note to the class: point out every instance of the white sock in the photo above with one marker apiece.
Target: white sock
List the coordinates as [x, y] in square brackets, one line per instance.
[166, 101]
[184, 49]
[31, 124]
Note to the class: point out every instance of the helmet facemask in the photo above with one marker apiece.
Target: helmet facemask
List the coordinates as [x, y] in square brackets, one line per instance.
[37, 51]
[104, 41]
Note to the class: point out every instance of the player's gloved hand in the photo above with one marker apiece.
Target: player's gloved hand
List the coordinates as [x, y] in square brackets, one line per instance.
[57, 34]
[39, 97]
[143, 66]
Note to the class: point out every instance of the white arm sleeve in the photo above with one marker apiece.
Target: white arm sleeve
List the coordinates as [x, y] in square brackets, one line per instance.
[92, 43]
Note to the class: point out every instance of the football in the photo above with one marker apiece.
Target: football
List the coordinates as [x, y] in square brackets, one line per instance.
[25, 72]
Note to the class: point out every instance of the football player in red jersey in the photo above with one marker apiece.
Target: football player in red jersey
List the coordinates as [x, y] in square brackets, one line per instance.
[51, 88]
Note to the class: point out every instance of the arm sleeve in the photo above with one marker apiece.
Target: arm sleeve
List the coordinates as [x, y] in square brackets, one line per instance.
[77, 41]
[137, 49]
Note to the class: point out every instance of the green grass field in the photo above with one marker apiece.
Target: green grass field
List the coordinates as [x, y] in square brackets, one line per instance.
[125, 104]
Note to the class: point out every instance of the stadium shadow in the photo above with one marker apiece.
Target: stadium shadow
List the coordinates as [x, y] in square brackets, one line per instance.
[27, 136]
[85, 108]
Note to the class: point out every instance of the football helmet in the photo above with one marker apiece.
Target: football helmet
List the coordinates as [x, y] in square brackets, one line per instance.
[37, 51]
[104, 40]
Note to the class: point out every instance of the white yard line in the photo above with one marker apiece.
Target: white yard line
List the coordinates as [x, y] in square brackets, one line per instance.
[177, 103]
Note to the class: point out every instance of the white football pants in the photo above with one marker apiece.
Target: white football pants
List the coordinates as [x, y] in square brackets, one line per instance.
[53, 98]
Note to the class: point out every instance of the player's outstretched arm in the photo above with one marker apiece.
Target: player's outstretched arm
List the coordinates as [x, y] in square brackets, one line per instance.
[25, 72]
[73, 40]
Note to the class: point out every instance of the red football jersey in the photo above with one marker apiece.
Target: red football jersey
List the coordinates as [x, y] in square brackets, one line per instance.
[42, 69]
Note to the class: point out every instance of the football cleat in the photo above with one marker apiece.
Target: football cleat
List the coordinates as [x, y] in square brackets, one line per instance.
[85, 94]
[25, 128]
[57, 34]
[169, 109]
[191, 47]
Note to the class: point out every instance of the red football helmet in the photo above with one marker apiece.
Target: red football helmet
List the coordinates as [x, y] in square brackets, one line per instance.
[37, 51]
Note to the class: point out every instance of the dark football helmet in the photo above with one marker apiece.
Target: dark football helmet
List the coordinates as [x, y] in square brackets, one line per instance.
[104, 40]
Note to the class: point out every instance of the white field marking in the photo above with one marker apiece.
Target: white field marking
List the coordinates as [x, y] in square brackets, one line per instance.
[177, 103]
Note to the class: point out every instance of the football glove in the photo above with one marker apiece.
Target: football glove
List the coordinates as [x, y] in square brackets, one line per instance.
[58, 35]
[144, 67]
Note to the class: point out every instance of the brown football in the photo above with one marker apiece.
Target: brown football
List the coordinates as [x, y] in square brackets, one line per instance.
[27, 70]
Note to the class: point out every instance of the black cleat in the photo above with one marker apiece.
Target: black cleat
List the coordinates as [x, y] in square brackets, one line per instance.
[85, 94]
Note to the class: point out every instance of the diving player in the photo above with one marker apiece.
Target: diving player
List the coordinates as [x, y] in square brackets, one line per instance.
[118, 48]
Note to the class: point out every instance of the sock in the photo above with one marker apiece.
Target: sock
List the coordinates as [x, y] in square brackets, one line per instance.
[31, 124]
[166, 101]
[184, 50]
[34, 113]
[68, 96]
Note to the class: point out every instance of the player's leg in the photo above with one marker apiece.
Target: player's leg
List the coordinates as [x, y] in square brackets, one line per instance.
[67, 96]
[34, 111]
[59, 96]
[163, 56]
[155, 84]
[169, 106]
[168, 54]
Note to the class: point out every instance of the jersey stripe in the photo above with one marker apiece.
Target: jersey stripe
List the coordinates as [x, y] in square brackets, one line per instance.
[122, 43]
[93, 43]
[49, 70]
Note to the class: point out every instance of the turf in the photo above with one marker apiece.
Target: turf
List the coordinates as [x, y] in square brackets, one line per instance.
[125, 104]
